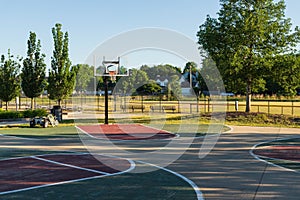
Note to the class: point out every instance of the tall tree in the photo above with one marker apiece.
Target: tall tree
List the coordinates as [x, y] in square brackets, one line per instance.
[9, 78]
[190, 66]
[174, 88]
[33, 71]
[209, 79]
[84, 77]
[285, 75]
[149, 88]
[129, 85]
[62, 76]
[245, 38]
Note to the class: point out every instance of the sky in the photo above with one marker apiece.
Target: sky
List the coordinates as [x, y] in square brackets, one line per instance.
[92, 22]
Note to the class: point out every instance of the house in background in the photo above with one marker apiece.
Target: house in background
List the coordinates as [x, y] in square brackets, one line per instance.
[184, 83]
[186, 86]
[162, 82]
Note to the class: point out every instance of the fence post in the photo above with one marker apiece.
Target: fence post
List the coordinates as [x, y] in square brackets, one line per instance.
[236, 106]
[142, 104]
[292, 108]
[227, 105]
[197, 104]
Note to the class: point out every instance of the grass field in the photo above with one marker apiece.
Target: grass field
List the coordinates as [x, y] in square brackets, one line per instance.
[285, 106]
[186, 127]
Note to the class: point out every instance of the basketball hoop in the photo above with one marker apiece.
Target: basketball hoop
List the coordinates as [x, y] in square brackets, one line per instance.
[112, 75]
[112, 70]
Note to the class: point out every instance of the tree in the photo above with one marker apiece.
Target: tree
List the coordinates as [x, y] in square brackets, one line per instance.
[174, 88]
[62, 76]
[129, 85]
[244, 40]
[33, 71]
[209, 79]
[285, 76]
[190, 65]
[84, 77]
[149, 88]
[9, 78]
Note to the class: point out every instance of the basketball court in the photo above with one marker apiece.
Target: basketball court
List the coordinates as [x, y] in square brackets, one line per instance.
[27, 173]
[125, 132]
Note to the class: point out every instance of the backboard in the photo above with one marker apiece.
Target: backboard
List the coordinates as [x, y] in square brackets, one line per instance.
[111, 68]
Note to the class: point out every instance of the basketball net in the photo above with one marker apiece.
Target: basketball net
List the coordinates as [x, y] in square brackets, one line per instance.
[112, 75]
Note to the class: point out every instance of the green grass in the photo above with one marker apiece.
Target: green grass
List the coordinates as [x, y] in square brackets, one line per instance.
[41, 133]
[260, 119]
[177, 124]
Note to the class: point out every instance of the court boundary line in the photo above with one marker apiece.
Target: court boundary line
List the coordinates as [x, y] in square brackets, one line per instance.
[267, 157]
[197, 190]
[131, 162]
[268, 162]
[68, 165]
[17, 137]
[120, 140]
[176, 135]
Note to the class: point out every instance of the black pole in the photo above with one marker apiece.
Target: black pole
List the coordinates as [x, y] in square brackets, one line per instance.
[106, 100]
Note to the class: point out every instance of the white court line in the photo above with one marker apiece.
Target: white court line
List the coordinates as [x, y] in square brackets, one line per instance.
[132, 166]
[190, 182]
[68, 165]
[64, 154]
[87, 133]
[53, 184]
[17, 137]
[120, 140]
[268, 162]
[175, 135]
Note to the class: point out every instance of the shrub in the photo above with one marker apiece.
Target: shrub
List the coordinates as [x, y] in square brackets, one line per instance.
[22, 114]
[10, 114]
[34, 113]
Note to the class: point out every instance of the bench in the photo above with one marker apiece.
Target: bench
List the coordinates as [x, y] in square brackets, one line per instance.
[133, 107]
[163, 108]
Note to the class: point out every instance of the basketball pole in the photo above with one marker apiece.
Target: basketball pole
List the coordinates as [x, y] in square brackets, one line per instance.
[106, 76]
[106, 100]
[104, 62]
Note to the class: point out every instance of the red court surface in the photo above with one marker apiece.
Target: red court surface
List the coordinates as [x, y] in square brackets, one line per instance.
[125, 132]
[37, 171]
[291, 153]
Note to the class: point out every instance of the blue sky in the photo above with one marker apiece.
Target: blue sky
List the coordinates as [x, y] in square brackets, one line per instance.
[91, 22]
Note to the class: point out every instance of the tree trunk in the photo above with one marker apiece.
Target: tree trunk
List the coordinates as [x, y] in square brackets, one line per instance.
[32, 104]
[59, 102]
[248, 97]
[6, 104]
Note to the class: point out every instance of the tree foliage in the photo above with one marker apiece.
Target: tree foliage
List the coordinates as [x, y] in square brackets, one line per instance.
[160, 71]
[62, 76]
[9, 78]
[84, 76]
[129, 85]
[150, 88]
[284, 79]
[33, 71]
[245, 38]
